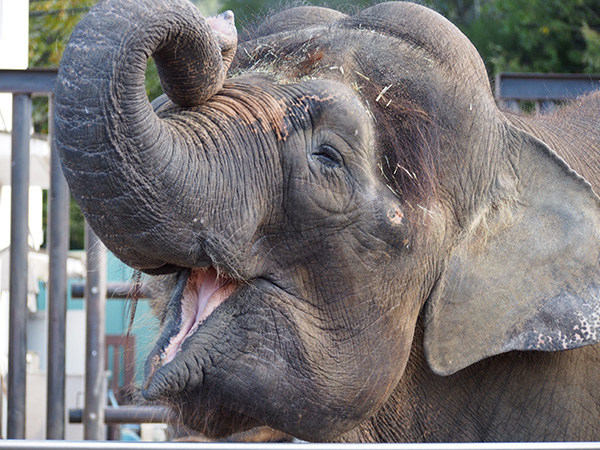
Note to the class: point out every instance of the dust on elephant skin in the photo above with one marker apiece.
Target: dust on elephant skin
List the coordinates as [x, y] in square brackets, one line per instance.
[347, 239]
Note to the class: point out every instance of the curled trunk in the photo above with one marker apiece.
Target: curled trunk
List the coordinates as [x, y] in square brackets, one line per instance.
[124, 165]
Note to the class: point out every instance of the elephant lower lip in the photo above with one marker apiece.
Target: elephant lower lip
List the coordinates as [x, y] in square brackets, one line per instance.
[205, 290]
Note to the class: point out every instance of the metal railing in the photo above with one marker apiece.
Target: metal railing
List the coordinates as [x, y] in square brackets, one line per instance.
[24, 84]
[510, 88]
[544, 90]
[117, 445]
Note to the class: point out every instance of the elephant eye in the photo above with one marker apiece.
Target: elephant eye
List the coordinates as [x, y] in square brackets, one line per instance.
[328, 156]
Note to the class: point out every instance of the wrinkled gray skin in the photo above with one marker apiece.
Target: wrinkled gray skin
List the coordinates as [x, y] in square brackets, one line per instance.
[403, 260]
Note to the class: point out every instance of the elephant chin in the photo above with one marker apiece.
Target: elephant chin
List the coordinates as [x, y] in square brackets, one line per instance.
[212, 420]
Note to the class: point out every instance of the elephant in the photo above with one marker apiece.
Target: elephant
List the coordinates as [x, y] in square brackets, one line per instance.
[348, 240]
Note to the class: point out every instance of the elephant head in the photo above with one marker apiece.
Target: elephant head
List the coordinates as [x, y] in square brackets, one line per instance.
[348, 175]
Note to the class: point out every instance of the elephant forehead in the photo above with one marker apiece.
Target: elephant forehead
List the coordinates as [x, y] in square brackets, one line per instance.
[324, 97]
[251, 101]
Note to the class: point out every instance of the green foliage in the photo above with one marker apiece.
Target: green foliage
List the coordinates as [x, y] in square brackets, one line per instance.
[591, 55]
[511, 35]
[76, 227]
[50, 24]
[76, 223]
[530, 36]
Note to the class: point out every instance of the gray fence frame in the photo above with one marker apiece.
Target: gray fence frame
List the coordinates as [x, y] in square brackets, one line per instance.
[509, 89]
[117, 445]
[544, 90]
[23, 85]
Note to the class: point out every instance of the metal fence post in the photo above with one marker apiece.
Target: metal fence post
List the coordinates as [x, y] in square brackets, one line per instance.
[95, 294]
[58, 246]
[19, 232]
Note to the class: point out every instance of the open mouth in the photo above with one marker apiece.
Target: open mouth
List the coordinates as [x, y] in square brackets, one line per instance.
[197, 294]
[205, 290]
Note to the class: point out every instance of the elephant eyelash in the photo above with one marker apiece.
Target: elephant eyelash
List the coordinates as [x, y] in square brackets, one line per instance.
[328, 157]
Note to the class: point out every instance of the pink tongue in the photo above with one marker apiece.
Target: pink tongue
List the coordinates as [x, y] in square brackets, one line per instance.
[198, 302]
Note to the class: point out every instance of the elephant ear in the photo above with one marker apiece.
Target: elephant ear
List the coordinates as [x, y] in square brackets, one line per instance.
[526, 278]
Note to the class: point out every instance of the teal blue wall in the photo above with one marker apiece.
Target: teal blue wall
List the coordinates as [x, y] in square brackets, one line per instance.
[145, 325]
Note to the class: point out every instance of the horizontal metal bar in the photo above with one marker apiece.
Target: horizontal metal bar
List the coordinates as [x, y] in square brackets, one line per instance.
[128, 414]
[114, 290]
[535, 86]
[118, 445]
[34, 81]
